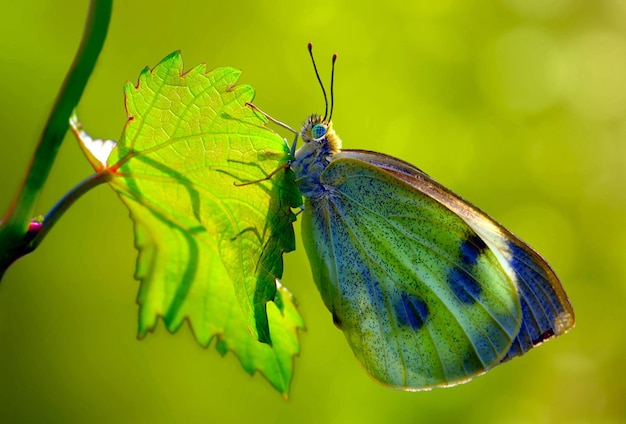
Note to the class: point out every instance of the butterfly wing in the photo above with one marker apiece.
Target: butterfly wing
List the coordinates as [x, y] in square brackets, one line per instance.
[547, 311]
[424, 286]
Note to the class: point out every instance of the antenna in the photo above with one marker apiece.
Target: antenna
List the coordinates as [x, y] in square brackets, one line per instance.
[332, 86]
[319, 80]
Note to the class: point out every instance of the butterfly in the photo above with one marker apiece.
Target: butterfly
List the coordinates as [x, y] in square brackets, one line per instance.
[428, 290]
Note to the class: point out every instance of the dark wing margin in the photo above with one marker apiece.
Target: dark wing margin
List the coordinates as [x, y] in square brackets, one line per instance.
[546, 309]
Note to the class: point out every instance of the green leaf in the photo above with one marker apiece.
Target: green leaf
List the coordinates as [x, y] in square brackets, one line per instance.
[209, 251]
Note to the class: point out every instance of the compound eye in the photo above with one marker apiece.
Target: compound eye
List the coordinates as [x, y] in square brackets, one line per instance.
[318, 131]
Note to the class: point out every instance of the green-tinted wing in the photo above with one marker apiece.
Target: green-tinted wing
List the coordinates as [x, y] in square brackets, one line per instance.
[546, 309]
[421, 298]
[429, 290]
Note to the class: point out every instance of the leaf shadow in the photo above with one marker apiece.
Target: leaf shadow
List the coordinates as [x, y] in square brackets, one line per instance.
[189, 274]
[194, 195]
[276, 236]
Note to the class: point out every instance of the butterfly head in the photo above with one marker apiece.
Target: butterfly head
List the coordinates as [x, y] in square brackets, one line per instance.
[319, 129]
[320, 132]
[310, 160]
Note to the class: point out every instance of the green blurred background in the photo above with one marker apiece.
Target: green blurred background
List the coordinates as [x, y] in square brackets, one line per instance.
[517, 105]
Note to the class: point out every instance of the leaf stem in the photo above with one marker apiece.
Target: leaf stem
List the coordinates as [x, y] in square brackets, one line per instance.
[14, 226]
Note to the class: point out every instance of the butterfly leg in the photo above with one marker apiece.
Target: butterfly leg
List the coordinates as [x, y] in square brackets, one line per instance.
[280, 124]
[267, 177]
[300, 210]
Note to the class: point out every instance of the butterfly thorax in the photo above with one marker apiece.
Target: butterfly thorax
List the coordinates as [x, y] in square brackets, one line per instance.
[320, 143]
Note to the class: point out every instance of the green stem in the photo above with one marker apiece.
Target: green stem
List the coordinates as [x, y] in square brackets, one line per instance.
[15, 224]
[64, 204]
[35, 235]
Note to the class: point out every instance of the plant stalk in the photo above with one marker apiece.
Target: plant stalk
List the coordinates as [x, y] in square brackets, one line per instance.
[14, 227]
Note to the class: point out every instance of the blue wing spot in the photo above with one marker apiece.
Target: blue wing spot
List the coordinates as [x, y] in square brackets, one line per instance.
[472, 248]
[411, 311]
[463, 285]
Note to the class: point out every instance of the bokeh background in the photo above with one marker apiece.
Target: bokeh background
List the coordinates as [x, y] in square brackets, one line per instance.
[517, 105]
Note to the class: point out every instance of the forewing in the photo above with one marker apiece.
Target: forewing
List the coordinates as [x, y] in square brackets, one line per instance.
[546, 310]
[422, 300]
